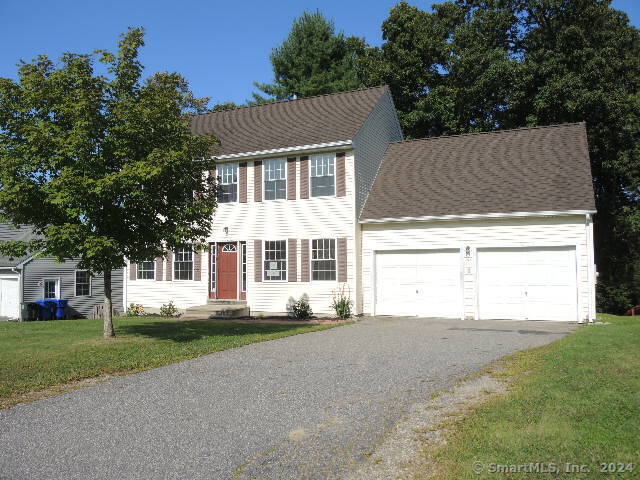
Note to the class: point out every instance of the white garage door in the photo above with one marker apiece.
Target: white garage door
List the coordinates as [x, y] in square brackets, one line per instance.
[425, 283]
[527, 283]
[9, 297]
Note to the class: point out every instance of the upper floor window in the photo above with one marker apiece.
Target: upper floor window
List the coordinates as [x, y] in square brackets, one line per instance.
[83, 283]
[228, 182]
[275, 260]
[323, 175]
[183, 263]
[323, 259]
[146, 271]
[275, 179]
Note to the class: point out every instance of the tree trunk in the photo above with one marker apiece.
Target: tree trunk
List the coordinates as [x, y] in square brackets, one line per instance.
[108, 331]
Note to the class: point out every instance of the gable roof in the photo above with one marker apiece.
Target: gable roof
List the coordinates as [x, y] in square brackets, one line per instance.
[540, 169]
[7, 233]
[305, 121]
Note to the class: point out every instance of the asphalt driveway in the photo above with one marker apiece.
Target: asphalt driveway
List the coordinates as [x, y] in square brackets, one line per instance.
[307, 406]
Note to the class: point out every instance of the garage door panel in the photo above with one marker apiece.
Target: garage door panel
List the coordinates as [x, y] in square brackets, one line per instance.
[535, 283]
[418, 282]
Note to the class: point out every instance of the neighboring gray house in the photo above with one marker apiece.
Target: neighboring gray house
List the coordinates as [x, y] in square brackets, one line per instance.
[28, 279]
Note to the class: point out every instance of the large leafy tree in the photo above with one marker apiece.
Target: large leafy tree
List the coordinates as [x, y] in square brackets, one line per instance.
[479, 65]
[312, 60]
[103, 167]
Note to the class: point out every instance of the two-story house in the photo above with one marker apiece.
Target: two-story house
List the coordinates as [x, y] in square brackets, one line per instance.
[321, 193]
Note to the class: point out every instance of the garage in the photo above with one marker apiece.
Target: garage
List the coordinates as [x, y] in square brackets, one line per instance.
[9, 297]
[423, 283]
[535, 283]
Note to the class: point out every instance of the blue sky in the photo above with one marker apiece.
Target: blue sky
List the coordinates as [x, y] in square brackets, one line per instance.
[221, 47]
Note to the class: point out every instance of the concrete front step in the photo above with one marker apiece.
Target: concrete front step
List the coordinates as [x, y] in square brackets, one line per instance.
[217, 310]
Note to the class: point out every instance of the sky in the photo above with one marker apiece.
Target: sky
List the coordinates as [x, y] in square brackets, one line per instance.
[221, 47]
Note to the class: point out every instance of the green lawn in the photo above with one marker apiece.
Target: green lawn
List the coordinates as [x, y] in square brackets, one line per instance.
[38, 355]
[576, 400]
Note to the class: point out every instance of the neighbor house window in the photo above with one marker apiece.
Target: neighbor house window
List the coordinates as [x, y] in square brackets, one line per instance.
[275, 179]
[183, 263]
[51, 288]
[275, 260]
[83, 283]
[228, 183]
[243, 284]
[323, 259]
[323, 176]
[146, 270]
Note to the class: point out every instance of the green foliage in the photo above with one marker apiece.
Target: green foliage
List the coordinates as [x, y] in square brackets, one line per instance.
[103, 167]
[313, 60]
[475, 65]
[300, 309]
[169, 310]
[342, 303]
[135, 310]
[613, 298]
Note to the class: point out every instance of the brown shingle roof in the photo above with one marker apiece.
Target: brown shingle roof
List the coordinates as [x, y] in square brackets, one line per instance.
[525, 170]
[306, 121]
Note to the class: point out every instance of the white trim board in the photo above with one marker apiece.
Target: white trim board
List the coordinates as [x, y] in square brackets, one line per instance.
[472, 216]
[274, 151]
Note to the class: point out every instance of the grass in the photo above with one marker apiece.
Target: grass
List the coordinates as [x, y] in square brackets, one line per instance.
[575, 401]
[35, 356]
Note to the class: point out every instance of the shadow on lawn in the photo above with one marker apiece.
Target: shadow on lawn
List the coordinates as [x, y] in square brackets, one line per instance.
[190, 330]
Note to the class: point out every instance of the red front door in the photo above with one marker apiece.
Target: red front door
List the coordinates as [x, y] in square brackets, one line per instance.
[228, 270]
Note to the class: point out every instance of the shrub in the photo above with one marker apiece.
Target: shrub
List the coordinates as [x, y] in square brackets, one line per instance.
[169, 310]
[135, 310]
[300, 309]
[342, 303]
[614, 299]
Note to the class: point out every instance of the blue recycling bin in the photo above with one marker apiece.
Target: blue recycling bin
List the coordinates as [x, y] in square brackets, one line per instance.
[61, 305]
[47, 307]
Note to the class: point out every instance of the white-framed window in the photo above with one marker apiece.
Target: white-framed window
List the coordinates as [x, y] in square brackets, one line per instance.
[243, 281]
[51, 288]
[83, 283]
[183, 263]
[323, 259]
[227, 182]
[275, 179]
[275, 260]
[323, 175]
[146, 270]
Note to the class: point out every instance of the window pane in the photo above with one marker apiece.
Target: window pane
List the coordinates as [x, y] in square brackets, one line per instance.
[83, 283]
[322, 186]
[275, 183]
[228, 183]
[146, 270]
[183, 264]
[275, 260]
[323, 259]
[244, 267]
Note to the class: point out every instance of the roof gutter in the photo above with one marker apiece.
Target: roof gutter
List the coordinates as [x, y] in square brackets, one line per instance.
[276, 151]
[474, 216]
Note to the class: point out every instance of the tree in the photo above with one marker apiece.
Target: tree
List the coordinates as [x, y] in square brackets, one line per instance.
[102, 167]
[480, 65]
[312, 60]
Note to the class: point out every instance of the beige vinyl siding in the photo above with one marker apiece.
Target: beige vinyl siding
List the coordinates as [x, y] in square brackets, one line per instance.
[521, 232]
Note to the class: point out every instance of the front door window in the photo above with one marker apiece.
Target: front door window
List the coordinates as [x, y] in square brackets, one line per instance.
[51, 289]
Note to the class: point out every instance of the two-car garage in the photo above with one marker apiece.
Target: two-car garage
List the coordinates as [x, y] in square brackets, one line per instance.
[519, 283]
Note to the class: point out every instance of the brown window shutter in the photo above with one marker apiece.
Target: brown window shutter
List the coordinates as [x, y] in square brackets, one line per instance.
[243, 182]
[257, 181]
[197, 265]
[257, 260]
[341, 183]
[292, 274]
[291, 178]
[159, 268]
[133, 271]
[304, 260]
[169, 265]
[304, 177]
[342, 259]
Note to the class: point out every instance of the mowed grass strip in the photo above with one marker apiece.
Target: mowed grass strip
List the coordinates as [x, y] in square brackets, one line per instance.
[575, 402]
[37, 355]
